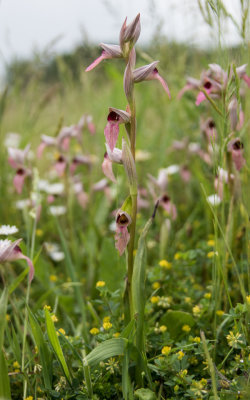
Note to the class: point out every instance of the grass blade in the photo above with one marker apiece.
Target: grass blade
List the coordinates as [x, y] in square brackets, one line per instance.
[53, 338]
[109, 348]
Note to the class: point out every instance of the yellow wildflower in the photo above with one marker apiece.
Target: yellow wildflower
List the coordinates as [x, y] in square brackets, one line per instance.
[154, 299]
[29, 398]
[53, 278]
[233, 339]
[165, 264]
[61, 330]
[248, 299]
[186, 328]
[177, 256]
[100, 284]
[116, 334]
[220, 313]
[163, 328]
[166, 350]
[7, 317]
[207, 295]
[188, 300]
[203, 381]
[196, 310]
[16, 365]
[54, 318]
[176, 388]
[211, 254]
[39, 232]
[211, 242]
[46, 307]
[183, 373]
[156, 285]
[180, 355]
[107, 325]
[106, 319]
[94, 331]
[196, 339]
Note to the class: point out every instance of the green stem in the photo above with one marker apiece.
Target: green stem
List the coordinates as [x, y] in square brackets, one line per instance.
[133, 212]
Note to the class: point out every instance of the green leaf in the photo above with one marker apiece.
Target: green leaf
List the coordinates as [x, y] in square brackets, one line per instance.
[16, 282]
[174, 320]
[109, 348]
[4, 379]
[44, 352]
[3, 309]
[53, 338]
[112, 268]
[145, 394]
[128, 330]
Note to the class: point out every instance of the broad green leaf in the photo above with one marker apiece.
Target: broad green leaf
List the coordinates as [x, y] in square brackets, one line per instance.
[109, 348]
[174, 320]
[4, 379]
[44, 352]
[145, 394]
[3, 309]
[53, 338]
[128, 330]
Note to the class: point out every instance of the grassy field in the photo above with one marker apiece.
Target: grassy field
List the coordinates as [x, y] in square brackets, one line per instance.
[76, 331]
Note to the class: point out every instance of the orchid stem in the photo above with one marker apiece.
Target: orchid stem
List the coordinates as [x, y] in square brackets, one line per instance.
[134, 211]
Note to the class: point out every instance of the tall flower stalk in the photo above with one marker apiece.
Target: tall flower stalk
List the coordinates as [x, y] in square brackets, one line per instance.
[126, 216]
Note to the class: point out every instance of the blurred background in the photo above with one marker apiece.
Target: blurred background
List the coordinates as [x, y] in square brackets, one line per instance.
[44, 27]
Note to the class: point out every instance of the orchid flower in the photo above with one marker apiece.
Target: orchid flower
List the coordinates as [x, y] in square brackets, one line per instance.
[111, 131]
[111, 157]
[208, 127]
[150, 72]
[123, 220]
[10, 251]
[168, 206]
[16, 160]
[109, 51]
[236, 148]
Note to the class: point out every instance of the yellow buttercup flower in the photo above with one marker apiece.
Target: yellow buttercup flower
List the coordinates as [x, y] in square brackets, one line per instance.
[61, 330]
[220, 313]
[207, 295]
[107, 325]
[180, 355]
[94, 331]
[156, 285]
[106, 319]
[211, 242]
[165, 264]
[100, 284]
[116, 334]
[155, 299]
[196, 310]
[166, 350]
[163, 328]
[46, 307]
[196, 339]
[186, 328]
[53, 278]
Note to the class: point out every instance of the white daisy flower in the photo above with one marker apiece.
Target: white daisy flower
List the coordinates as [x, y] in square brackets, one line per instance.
[53, 250]
[8, 230]
[55, 188]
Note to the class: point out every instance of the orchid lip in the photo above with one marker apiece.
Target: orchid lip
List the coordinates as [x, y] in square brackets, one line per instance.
[113, 116]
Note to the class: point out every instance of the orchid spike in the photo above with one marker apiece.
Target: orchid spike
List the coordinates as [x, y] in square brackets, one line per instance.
[130, 34]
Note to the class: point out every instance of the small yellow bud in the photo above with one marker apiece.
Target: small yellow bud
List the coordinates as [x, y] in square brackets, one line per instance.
[54, 318]
[53, 278]
[207, 295]
[220, 313]
[94, 331]
[154, 299]
[156, 285]
[107, 325]
[196, 339]
[211, 242]
[163, 328]
[180, 355]
[186, 328]
[116, 334]
[165, 264]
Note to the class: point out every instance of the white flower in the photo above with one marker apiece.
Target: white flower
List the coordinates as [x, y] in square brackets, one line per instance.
[21, 204]
[54, 252]
[55, 188]
[42, 184]
[172, 169]
[12, 139]
[214, 199]
[57, 210]
[8, 230]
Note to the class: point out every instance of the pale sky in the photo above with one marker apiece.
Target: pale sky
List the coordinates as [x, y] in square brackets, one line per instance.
[28, 25]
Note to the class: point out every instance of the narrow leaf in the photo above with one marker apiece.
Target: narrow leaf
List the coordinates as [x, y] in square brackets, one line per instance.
[53, 338]
[4, 379]
[44, 352]
[3, 309]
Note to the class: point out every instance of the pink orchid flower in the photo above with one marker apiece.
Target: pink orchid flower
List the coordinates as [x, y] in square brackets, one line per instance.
[168, 206]
[236, 148]
[109, 51]
[111, 157]
[123, 220]
[208, 128]
[10, 251]
[150, 72]
[60, 165]
[17, 158]
[111, 130]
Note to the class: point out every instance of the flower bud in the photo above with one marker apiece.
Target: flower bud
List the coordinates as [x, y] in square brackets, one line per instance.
[130, 34]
